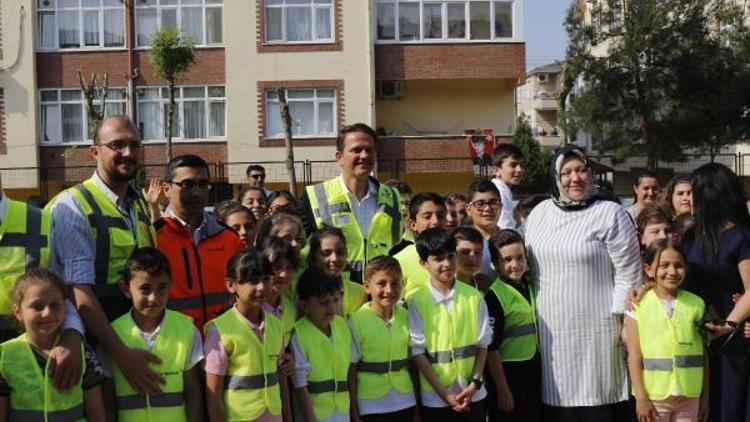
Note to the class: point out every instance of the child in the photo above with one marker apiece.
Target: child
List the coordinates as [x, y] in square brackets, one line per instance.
[243, 349]
[513, 358]
[281, 200]
[427, 210]
[285, 226]
[450, 332]
[238, 218]
[653, 223]
[322, 350]
[681, 225]
[469, 252]
[26, 390]
[451, 214]
[523, 209]
[484, 208]
[328, 252]
[459, 202]
[507, 167]
[168, 335]
[255, 200]
[282, 260]
[667, 371]
[380, 379]
[404, 195]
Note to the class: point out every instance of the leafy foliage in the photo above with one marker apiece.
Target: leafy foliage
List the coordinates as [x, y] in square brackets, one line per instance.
[536, 159]
[171, 53]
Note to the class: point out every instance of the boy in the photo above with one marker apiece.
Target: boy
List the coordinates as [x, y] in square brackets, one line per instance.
[169, 335]
[427, 210]
[469, 252]
[507, 167]
[321, 344]
[380, 380]
[450, 332]
[459, 202]
[653, 223]
[484, 209]
[513, 358]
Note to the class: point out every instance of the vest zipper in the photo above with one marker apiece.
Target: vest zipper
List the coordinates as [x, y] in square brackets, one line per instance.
[200, 280]
[188, 270]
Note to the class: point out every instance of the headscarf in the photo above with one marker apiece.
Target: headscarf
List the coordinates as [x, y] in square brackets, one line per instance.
[559, 196]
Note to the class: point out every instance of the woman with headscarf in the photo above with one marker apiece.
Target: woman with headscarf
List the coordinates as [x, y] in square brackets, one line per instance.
[718, 254]
[584, 253]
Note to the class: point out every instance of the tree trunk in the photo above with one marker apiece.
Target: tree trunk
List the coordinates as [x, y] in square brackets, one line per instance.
[567, 87]
[286, 120]
[170, 119]
[651, 148]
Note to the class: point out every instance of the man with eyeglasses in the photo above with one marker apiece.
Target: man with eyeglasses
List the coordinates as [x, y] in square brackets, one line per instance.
[96, 225]
[256, 177]
[197, 246]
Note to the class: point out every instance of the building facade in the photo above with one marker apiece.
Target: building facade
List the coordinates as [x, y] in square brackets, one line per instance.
[420, 71]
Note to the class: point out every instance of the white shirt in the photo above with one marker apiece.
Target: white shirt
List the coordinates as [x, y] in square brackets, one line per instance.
[418, 343]
[198, 234]
[391, 402]
[506, 197]
[363, 209]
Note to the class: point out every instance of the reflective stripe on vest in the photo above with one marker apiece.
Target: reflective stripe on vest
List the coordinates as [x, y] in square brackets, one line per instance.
[672, 356]
[384, 352]
[172, 346]
[329, 359]
[519, 340]
[450, 337]
[33, 396]
[24, 244]
[251, 381]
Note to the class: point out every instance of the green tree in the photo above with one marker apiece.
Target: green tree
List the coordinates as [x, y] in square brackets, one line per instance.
[536, 159]
[660, 76]
[171, 54]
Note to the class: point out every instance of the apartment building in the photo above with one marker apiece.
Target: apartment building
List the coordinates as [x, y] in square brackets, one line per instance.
[539, 100]
[420, 71]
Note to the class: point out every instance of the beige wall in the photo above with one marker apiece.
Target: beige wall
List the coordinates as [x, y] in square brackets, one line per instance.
[448, 107]
[245, 67]
[17, 79]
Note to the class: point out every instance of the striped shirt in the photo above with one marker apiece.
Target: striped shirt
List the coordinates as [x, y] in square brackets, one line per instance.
[585, 263]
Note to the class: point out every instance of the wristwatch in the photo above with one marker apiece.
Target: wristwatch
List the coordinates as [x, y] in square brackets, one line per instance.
[477, 382]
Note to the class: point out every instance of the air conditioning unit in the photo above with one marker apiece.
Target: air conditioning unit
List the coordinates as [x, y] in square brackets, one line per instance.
[390, 90]
[543, 77]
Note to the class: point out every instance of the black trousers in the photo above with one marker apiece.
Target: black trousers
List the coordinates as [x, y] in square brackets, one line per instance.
[616, 412]
[477, 413]
[405, 415]
[729, 395]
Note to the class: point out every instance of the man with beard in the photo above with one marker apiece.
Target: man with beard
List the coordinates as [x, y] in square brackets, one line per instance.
[366, 211]
[198, 247]
[96, 225]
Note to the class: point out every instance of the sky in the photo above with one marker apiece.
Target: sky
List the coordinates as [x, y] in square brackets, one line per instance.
[545, 36]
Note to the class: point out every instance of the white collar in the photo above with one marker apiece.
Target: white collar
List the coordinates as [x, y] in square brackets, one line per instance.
[438, 296]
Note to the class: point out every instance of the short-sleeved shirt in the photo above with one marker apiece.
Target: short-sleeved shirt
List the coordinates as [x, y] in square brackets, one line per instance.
[716, 283]
[506, 220]
[92, 374]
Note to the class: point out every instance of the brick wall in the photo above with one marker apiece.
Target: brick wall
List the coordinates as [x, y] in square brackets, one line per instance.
[3, 145]
[450, 61]
[60, 69]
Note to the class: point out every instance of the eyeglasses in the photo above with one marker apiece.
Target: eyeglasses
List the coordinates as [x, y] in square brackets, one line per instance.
[192, 184]
[258, 176]
[481, 204]
[119, 145]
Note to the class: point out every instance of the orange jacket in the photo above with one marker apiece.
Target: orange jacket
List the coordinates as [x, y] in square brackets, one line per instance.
[198, 289]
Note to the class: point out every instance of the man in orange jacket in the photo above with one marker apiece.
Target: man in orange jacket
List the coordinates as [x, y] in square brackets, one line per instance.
[197, 246]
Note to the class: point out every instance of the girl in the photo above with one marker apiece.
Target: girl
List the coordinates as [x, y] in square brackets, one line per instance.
[281, 200]
[243, 347]
[328, 252]
[255, 200]
[679, 195]
[239, 218]
[653, 223]
[667, 371]
[645, 191]
[282, 261]
[286, 226]
[26, 391]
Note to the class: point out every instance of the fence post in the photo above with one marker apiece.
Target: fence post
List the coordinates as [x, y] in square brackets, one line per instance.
[306, 173]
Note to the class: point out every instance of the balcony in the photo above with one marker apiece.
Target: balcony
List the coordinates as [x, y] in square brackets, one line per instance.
[544, 102]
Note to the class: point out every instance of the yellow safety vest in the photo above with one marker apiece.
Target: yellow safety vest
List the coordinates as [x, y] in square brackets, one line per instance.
[672, 349]
[251, 385]
[414, 274]
[354, 296]
[24, 244]
[451, 337]
[172, 346]
[519, 329]
[33, 397]
[288, 317]
[115, 242]
[384, 364]
[331, 205]
[329, 360]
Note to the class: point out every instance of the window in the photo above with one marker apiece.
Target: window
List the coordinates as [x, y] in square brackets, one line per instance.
[201, 20]
[200, 112]
[66, 24]
[64, 119]
[434, 20]
[298, 21]
[313, 113]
